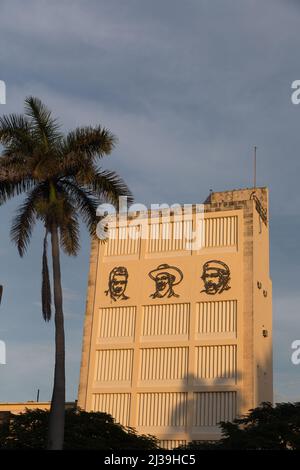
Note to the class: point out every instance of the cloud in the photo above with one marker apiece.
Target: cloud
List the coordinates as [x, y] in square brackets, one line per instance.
[189, 89]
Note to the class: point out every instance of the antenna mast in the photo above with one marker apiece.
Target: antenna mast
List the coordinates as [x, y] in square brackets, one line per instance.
[254, 176]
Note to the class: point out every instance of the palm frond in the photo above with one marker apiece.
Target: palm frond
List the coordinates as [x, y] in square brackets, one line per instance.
[12, 185]
[15, 130]
[10, 161]
[107, 185]
[91, 142]
[69, 235]
[84, 201]
[25, 219]
[46, 288]
[66, 219]
[44, 126]
[14, 166]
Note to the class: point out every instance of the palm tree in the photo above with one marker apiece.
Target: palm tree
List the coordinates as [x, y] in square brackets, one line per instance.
[62, 180]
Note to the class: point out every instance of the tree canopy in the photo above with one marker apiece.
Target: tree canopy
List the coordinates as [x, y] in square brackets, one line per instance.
[266, 427]
[83, 430]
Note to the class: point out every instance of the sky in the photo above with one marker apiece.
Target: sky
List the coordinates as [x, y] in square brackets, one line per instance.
[188, 87]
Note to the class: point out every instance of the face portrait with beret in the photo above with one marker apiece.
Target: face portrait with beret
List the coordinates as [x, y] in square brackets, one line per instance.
[216, 277]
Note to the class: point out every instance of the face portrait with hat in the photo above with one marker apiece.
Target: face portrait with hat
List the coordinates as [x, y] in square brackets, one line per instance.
[165, 278]
[216, 277]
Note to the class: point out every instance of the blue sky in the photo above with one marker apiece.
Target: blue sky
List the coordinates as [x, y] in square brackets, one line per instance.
[189, 88]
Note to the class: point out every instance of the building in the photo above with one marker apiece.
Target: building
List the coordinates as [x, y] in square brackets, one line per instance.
[177, 340]
[21, 406]
[7, 410]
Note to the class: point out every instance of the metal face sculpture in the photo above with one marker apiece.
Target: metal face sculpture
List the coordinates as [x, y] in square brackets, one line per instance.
[260, 209]
[117, 283]
[216, 277]
[165, 278]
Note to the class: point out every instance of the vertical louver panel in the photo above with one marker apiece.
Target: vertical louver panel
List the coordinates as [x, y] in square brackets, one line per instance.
[163, 364]
[166, 320]
[169, 236]
[115, 404]
[212, 407]
[172, 236]
[171, 444]
[220, 231]
[123, 241]
[114, 365]
[162, 409]
[216, 362]
[217, 317]
[117, 322]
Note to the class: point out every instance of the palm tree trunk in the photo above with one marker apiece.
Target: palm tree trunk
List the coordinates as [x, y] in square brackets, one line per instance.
[57, 411]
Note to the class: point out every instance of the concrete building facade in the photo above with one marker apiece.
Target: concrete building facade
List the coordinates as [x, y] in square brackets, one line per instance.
[177, 340]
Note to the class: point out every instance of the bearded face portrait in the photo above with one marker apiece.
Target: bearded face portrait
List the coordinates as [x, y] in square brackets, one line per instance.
[216, 277]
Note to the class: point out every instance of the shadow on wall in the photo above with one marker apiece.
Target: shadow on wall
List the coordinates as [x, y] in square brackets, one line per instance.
[207, 402]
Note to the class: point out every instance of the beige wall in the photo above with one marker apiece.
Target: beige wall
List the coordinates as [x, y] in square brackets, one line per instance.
[174, 367]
